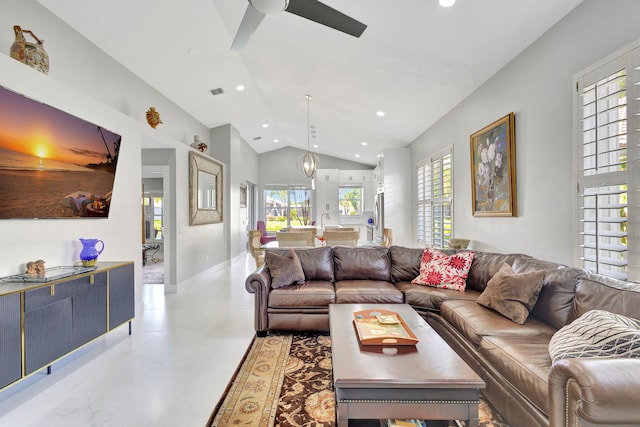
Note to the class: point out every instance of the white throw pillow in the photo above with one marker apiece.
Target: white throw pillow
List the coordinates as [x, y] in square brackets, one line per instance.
[597, 333]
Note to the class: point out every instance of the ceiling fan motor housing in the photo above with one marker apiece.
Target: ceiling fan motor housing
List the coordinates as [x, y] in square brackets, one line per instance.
[270, 6]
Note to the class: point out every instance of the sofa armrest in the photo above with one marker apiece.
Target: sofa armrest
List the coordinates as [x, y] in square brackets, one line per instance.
[259, 283]
[598, 391]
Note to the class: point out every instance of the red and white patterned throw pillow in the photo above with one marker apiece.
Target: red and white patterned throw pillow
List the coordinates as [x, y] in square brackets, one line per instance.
[444, 271]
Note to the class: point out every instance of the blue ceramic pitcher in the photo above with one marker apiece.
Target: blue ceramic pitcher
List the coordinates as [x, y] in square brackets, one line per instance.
[89, 253]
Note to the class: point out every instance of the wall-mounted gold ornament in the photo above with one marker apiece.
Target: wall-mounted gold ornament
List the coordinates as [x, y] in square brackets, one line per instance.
[153, 117]
[32, 54]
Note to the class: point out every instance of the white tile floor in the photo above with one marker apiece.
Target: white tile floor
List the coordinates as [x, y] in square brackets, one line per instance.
[170, 372]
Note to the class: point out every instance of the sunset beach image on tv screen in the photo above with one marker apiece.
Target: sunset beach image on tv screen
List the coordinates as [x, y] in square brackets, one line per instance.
[53, 164]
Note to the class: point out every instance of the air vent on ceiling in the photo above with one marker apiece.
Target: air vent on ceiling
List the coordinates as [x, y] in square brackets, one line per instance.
[257, 138]
[218, 91]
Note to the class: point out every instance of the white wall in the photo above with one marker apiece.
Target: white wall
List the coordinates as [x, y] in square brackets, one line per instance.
[538, 87]
[280, 166]
[82, 66]
[56, 241]
[244, 168]
[85, 82]
[243, 159]
[398, 206]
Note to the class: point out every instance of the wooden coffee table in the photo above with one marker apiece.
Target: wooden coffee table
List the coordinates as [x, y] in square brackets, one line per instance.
[427, 381]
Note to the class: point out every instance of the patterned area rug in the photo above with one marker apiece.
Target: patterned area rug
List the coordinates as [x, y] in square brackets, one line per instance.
[153, 273]
[285, 381]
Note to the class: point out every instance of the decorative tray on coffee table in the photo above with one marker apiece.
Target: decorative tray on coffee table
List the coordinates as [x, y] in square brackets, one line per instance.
[382, 327]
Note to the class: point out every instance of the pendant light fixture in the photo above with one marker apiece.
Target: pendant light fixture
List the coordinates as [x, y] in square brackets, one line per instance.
[308, 162]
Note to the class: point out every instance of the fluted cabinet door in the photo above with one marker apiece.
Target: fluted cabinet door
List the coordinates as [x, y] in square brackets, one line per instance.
[90, 311]
[10, 346]
[121, 295]
[48, 334]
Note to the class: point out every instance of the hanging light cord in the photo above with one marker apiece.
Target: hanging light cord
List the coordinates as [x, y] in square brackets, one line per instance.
[308, 162]
[308, 124]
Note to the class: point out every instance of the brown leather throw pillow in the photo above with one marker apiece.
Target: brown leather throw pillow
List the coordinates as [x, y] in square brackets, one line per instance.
[512, 295]
[285, 269]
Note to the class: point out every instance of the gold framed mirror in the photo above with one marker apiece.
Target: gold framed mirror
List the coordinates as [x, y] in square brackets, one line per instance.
[205, 190]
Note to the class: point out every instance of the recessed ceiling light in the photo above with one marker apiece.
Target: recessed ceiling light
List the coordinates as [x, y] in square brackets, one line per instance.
[315, 145]
[357, 155]
[447, 3]
[266, 125]
[364, 144]
[380, 113]
[276, 140]
[240, 88]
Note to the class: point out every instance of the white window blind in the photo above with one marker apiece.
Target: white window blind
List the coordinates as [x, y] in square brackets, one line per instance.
[435, 199]
[608, 168]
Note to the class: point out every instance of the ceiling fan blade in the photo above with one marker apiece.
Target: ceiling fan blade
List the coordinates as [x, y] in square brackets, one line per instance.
[250, 21]
[325, 15]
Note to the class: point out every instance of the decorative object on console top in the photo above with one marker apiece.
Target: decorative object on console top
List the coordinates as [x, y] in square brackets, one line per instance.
[32, 54]
[48, 275]
[36, 267]
[89, 253]
[153, 117]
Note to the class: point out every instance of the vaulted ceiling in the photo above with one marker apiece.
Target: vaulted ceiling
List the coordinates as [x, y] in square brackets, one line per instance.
[415, 61]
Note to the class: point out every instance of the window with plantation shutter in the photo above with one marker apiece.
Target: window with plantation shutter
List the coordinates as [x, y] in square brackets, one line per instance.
[608, 169]
[435, 199]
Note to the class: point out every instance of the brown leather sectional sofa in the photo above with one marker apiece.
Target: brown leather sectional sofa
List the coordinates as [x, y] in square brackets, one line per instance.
[522, 382]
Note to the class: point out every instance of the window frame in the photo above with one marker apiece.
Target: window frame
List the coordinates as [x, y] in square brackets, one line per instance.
[361, 201]
[288, 206]
[626, 177]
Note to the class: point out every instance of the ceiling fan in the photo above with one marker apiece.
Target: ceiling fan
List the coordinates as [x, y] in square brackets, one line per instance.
[309, 9]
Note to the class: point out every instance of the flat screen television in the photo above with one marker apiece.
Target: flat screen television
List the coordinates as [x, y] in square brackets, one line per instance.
[53, 164]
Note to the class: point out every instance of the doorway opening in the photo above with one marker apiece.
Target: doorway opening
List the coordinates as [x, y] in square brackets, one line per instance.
[153, 231]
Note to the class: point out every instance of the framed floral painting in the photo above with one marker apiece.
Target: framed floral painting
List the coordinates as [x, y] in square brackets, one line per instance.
[493, 169]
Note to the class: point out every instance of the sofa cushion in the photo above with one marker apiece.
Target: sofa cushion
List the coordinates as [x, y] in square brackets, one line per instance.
[556, 297]
[361, 263]
[597, 333]
[512, 295]
[523, 265]
[444, 271]
[597, 292]
[405, 263]
[285, 269]
[310, 294]
[485, 265]
[317, 263]
[429, 298]
[367, 292]
[475, 322]
[524, 362]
